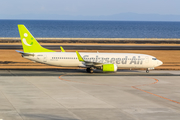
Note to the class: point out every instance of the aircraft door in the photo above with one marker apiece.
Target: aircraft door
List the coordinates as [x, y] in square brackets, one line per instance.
[42, 58]
[146, 59]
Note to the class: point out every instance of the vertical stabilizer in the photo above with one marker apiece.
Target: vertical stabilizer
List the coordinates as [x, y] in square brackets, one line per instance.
[29, 43]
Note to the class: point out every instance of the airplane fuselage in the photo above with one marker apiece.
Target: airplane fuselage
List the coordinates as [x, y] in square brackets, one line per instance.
[122, 60]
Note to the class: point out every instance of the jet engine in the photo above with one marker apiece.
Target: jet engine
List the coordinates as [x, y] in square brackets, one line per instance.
[109, 67]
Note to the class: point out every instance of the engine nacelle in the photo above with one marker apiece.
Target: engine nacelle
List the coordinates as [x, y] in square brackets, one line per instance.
[109, 67]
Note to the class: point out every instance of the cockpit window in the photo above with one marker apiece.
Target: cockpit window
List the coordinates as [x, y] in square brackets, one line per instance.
[154, 58]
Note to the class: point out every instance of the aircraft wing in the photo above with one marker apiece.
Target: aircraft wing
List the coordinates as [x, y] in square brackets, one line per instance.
[88, 63]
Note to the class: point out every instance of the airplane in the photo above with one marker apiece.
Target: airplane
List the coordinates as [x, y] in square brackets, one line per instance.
[107, 62]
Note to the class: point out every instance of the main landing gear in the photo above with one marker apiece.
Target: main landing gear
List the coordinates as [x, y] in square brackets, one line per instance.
[89, 70]
[147, 70]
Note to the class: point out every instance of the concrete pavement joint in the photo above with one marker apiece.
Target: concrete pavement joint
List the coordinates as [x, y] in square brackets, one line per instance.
[11, 104]
[126, 113]
[54, 99]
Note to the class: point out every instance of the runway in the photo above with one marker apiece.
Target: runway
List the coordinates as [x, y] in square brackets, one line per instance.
[97, 47]
[77, 95]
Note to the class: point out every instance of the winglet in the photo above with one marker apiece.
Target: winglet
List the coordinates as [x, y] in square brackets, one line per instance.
[62, 50]
[79, 57]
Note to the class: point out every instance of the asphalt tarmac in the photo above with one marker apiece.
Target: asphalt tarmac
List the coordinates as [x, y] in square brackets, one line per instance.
[97, 47]
[82, 72]
[77, 95]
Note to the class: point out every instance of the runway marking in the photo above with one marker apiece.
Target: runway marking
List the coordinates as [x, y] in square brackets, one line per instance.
[135, 87]
[149, 83]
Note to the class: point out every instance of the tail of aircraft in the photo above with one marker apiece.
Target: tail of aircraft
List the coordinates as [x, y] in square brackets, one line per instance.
[29, 43]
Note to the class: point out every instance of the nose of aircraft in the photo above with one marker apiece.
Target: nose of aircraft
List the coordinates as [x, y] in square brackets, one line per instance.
[159, 62]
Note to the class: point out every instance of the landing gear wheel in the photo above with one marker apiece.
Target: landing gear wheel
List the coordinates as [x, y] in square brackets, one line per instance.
[89, 70]
[147, 71]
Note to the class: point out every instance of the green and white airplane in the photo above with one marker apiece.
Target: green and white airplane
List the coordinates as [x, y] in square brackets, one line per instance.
[108, 62]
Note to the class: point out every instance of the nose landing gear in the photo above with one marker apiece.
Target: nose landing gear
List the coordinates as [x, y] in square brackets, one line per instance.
[147, 70]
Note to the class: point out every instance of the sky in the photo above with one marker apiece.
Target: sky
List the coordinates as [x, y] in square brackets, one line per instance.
[17, 8]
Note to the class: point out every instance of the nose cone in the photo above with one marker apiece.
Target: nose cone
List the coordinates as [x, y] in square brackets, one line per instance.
[159, 62]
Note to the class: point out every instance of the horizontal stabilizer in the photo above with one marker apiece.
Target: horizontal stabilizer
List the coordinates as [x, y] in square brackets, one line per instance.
[25, 54]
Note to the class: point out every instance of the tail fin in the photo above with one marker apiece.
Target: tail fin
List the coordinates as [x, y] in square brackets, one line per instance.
[29, 43]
